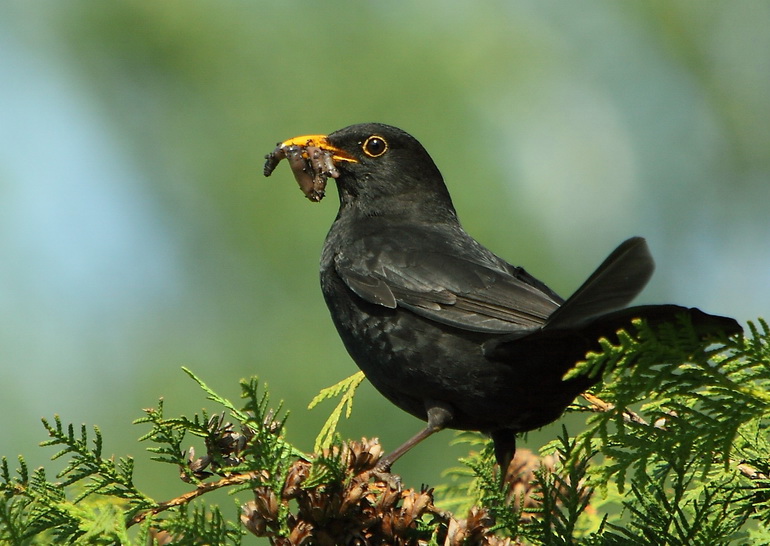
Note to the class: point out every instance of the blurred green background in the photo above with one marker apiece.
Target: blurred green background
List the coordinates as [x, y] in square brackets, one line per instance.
[137, 233]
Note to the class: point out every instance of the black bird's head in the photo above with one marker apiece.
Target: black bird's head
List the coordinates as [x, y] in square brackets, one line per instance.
[381, 171]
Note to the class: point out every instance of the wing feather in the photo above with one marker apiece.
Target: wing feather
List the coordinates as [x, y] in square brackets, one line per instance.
[471, 289]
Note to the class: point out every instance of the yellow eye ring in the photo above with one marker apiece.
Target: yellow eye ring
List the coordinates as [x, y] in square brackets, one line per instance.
[375, 146]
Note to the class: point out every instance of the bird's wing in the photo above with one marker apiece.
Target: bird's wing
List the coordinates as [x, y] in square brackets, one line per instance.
[466, 290]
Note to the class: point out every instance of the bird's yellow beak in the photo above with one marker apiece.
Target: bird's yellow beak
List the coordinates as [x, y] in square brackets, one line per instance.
[312, 159]
[319, 141]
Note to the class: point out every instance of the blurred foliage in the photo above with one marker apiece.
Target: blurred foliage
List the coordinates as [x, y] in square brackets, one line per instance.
[561, 128]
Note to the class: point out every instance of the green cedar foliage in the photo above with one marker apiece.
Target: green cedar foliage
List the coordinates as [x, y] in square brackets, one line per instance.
[676, 451]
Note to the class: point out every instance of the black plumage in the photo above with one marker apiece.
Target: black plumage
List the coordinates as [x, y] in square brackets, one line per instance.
[441, 326]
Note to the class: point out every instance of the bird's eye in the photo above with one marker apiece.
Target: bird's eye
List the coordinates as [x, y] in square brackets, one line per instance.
[375, 146]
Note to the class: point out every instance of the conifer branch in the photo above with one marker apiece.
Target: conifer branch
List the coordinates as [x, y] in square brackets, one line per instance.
[681, 428]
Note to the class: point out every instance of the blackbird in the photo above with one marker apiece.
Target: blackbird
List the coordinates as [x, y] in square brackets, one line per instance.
[441, 326]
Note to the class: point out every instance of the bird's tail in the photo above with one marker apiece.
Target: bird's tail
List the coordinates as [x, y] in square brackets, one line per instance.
[599, 305]
[598, 309]
[566, 346]
[614, 284]
[706, 326]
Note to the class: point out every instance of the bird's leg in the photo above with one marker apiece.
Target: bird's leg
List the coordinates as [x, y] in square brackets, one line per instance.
[439, 416]
[505, 447]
